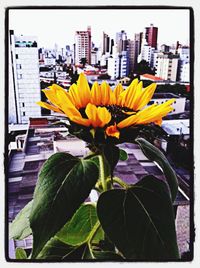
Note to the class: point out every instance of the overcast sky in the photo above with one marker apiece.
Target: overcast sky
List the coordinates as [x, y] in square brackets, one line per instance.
[59, 26]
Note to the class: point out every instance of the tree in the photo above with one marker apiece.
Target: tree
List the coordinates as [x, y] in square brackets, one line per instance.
[143, 67]
[83, 61]
[104, 76]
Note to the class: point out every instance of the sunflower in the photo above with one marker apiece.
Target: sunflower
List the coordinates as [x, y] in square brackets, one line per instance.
[102, 107]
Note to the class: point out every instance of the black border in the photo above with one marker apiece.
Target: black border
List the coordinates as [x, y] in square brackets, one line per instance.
[192, 40]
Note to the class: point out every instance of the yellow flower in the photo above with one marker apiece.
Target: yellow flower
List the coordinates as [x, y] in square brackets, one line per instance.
[103, 108]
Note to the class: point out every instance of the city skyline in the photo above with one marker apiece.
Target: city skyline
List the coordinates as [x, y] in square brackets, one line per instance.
[133, 21]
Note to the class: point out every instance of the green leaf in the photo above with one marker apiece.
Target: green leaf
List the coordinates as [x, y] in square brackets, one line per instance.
[107, 255]
[64, 183]
[111, 153]
[123, 156]
[57, 250]
[140, 220]
[20, 254]
[90, 254]
[79, 229]
[154, 154]
[20, 227]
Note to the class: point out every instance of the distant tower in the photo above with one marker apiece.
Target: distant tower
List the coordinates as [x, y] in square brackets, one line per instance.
[83, 45]
[106, 44]
[151, 35]
[24, 80]
[121, 41]
[138, 39]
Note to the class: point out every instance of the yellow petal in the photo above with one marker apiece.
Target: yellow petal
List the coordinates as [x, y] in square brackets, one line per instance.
[131, 120]
[91, 112]
[112, 98]
[49, 107]
[155, 113]
[130, 93]
[146, 96]
[117, 91]
[104, 116]
[83, 90]
[137, 95]
[56, 88]
[51, 96]
[66, 105]
[96, 94]
[105, 93]
[81, 121]
[73, 92]
[112, 131]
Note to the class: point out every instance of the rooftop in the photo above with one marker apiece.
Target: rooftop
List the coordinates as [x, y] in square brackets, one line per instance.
[151, 77]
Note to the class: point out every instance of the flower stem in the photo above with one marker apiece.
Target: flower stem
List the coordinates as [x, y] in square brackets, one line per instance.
[120, 182]
[102, 172]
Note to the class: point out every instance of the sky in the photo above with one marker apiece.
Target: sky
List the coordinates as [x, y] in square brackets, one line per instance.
[59, 26]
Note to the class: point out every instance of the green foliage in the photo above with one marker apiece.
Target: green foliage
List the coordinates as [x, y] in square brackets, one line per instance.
[64, 183]
[83, 61]
[140, 220]
[20, 227]
[57, 250]
[143, 68]
[20, 254]
[81, 227]
[123, 156]
[134, 222]
[154, 154]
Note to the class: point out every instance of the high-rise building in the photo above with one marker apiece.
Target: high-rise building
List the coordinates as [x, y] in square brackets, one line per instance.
[138, 39]
[106, 44]
[118, 65]
[165, 48]
[167, 66]
[184, 63]
[83, 45]
[121, 41]
[147, 54]
[24, 86]
[151, 34]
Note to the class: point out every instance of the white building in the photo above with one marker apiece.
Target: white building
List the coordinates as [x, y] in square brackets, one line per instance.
[118, 65]
[147, 54]
[24, 90]
[49, 61]
[185, 72]
[83, 45]
[167, 66]
[184, 64]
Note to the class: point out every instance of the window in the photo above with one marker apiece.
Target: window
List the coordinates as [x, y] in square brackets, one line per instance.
[16, 56]
[18, 66]
[24, 114]
[151, 102]
[23, 104]
[19, 76]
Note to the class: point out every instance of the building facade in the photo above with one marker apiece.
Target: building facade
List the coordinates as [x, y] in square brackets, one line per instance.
[24, 90]
[147, 54]
[133, 49]
[106, 44]
[167, 66]
[83, 45]
[118, 66]
[184, 64]
[121, 41]
[151, 34]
